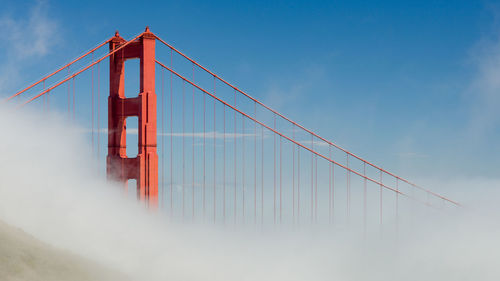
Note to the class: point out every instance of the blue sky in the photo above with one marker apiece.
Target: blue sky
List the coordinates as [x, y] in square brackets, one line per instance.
[410, 86]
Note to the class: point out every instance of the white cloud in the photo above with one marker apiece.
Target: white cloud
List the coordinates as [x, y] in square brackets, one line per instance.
[292, 89]
[207, 135]
[484, 93]
[412, 154]
[26, 36]
[50, 189]
[316, 143]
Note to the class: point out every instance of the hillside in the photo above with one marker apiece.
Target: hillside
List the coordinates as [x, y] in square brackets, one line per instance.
[22, 257]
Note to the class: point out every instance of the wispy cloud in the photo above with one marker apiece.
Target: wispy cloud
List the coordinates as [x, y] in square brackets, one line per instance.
[25, 36]
[296, 86]
[412, 154]
[207, 135]
[210, 135]
[484, 93]
[316, 143]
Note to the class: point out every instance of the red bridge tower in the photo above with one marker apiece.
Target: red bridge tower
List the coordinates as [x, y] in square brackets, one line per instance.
[144, 167]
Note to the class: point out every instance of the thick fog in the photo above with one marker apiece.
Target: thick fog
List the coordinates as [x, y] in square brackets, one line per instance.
[51, 189]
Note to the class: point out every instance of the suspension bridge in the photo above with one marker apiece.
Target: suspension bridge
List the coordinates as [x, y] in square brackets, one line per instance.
[203, 149]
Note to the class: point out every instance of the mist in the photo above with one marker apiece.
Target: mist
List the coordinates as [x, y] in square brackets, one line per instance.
[51, 188]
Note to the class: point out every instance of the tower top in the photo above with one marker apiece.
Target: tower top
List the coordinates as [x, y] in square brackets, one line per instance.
[148, 34]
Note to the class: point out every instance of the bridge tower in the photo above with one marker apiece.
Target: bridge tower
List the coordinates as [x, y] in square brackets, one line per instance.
[144, 167]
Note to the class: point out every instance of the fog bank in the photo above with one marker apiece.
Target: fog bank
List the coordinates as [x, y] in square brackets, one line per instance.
[50, 187]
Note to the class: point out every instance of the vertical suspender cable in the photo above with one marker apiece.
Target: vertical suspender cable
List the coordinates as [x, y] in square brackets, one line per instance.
[281, 180]
[224, 166]
[243, 166]
[235, 166]
[274, 169]
[364, 199]
[45, 106]
[380, 197]
[98, 109]
[183, 146]
[333, 193]
[44, 98]
[348, 207]
[192, 163]
[255, 163]
[330, 184]
[162, 136]
[69, 96]
[298, 185]
[316, 188]
[74, 115]
[262, 176]
[215, 154]
[92, 103]
[312, 179]
[349, 177]
[397, 204]
[293, 175]
[204, 157]
[171, 137]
